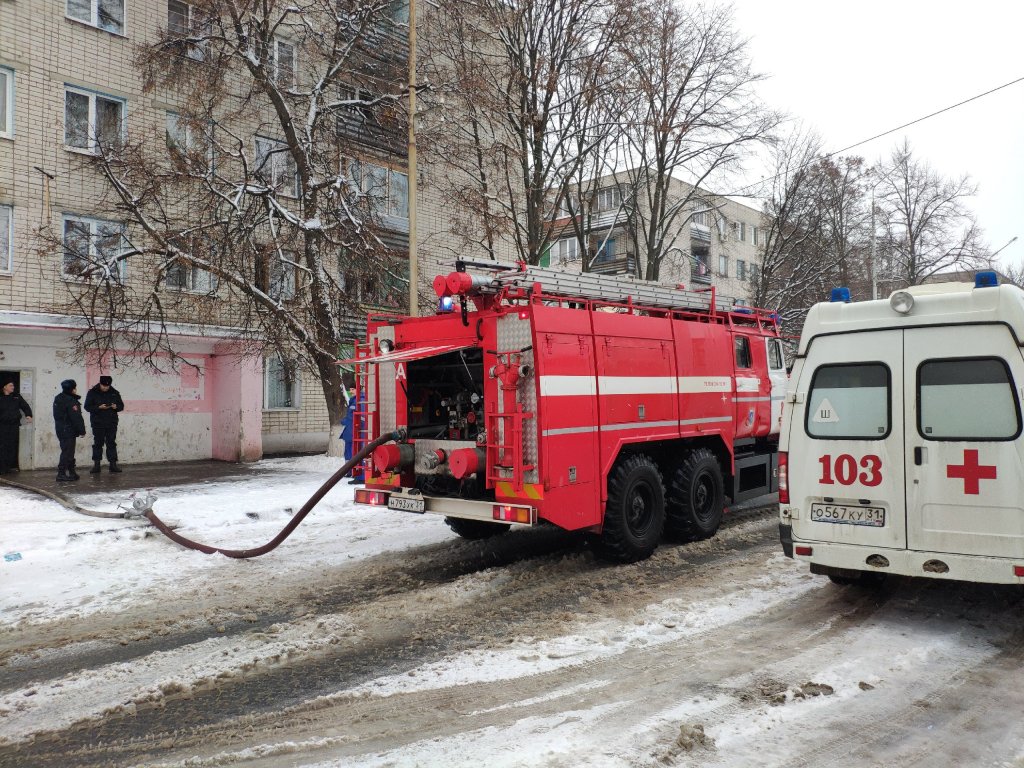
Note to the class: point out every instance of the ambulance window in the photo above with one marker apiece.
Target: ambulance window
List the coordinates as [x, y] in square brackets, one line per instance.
[775, 360]
[971, 399]
[849, 402]
[742, 352]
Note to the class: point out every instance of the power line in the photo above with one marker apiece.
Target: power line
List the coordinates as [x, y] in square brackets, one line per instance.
[881, 135]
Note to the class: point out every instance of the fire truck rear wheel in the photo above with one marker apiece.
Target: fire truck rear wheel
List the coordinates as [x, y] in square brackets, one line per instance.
[475, 529]
[635, 516]
[696, 498]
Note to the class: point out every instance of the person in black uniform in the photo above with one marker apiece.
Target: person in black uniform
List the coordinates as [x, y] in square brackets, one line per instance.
[69, 425]
[103, 403]
[12, 406]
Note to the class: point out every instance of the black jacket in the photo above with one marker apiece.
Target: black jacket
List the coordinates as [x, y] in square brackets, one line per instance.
[103, 417]
[67, 416]
[11, 408]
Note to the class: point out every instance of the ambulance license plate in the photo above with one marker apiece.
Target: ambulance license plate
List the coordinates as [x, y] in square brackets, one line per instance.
[848, 515]
[406, 504]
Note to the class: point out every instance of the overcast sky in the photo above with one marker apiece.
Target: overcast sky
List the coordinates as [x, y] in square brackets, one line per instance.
[856, 69]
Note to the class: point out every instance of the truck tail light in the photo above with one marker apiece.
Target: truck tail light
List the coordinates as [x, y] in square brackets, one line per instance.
[510, 514]
[803, 551]
[374, 498]
[783, 477]
[1018, 570]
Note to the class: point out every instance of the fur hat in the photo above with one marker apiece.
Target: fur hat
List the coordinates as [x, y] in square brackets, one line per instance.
[106, 381]
[68, 384]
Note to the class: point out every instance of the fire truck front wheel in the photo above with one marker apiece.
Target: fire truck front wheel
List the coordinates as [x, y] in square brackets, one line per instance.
[635, 515]
[475, 529]
[696, 497]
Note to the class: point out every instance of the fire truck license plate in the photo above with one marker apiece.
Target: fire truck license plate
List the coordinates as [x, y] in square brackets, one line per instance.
[406, 504]
[842, 513]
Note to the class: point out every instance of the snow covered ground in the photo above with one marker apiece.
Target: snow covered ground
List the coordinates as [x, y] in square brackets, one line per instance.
[374, 638]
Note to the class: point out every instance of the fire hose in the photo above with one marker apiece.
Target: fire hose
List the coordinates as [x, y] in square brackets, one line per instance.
[397, 436]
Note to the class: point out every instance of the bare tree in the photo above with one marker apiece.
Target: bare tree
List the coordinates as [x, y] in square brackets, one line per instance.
[695, 113]
[797, 266]
[529, 74]
[252, 191]
[929, 228]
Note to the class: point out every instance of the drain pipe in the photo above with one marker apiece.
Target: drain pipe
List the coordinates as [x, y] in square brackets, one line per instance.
[397, 436]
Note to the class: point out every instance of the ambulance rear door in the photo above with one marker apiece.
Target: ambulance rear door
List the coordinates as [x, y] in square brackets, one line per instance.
[846, 451]
[964, 452]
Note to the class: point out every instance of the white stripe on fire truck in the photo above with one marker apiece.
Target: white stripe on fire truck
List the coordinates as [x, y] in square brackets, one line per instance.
[761, 399]
[634, 425]
[569, 386]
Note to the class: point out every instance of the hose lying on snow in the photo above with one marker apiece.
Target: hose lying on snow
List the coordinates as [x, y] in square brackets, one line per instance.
[398, 436]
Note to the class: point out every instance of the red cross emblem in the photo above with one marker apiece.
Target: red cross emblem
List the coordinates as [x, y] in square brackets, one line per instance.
[971, 472]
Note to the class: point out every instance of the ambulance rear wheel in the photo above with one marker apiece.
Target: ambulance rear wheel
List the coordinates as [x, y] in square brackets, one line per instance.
[475, 529]
[696, 498]
[635, 515]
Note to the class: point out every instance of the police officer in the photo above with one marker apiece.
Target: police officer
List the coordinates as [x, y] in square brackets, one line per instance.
[69, 425]
[12, 406]
[103, 403]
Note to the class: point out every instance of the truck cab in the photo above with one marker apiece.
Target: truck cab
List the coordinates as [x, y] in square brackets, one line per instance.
[901, 446]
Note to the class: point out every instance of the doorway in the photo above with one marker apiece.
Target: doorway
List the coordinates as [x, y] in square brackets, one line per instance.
[24, 383]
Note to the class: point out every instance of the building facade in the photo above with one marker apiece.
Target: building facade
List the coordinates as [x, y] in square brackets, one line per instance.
[69, 78]
[712, 241]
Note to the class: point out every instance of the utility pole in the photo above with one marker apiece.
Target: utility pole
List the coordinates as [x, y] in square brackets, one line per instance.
[413, 263]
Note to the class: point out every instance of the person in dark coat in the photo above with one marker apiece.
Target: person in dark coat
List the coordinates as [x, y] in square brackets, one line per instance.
[12, 406]
[69, 425]
[103, 403]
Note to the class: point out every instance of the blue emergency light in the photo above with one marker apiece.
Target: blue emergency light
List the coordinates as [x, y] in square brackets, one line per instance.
[445, 304]
[840, 294]
[986, 279]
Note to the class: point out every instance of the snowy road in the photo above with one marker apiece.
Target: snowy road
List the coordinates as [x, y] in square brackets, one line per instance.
[373, 638]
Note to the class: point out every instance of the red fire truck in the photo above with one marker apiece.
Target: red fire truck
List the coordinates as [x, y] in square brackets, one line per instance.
[608, 405]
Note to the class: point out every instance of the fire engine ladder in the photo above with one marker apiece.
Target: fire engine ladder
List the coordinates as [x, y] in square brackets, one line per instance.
[612, 289]
[362, 429]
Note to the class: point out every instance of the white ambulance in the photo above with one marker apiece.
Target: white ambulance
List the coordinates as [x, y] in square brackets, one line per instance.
[901, 448]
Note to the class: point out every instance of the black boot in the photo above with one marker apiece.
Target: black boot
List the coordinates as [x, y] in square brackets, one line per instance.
[95, 468]
[114, 467]
[72, 475]
[62, 476]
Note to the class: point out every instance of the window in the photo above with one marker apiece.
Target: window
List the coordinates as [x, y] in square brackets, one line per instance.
[743, 232]
[849, 402]
[972, 399]
[185, 147]
[284, 64]
[275, 166]
[6, 238]
[755, 237]
[280, 384]
[275, 274]
[94, 248]
[776, 360]
[184, 22]
[92, 122]
[609, 199]
[723, 266]
[398, 10]
[741, 269]
[606, 251]
[6, 103]
[182, 276]
[742, 345]
[755, 273]
[387, 190]
[105, 14]
[701, 213]
[567, 249]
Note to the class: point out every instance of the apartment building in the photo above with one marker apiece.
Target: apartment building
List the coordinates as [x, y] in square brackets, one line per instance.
[69, 79]
[712, 241]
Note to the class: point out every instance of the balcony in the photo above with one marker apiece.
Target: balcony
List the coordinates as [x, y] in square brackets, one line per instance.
[624, 264]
